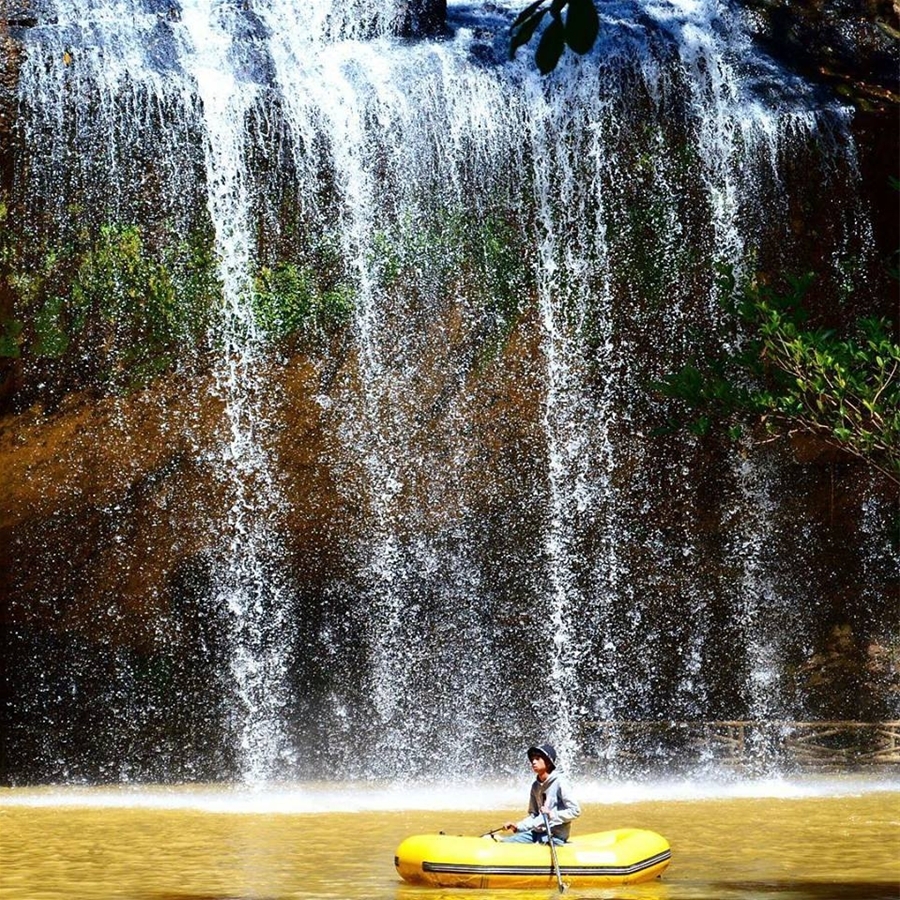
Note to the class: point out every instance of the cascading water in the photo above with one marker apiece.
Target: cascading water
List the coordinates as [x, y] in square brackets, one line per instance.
[206, 87]
[250, 586]
[524, 257]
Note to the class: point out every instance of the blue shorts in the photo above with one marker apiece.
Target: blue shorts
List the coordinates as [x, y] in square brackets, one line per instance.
[532, 837]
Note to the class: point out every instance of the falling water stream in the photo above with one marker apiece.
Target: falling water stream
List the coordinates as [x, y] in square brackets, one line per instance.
[251, 585]
[534, 589]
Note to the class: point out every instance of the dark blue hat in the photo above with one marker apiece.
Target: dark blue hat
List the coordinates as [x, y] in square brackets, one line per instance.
[547, 752]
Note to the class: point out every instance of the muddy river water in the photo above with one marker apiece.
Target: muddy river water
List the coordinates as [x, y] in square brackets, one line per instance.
[832, 838]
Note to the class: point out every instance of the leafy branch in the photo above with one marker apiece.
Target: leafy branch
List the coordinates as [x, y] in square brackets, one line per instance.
[844, 389]
[577, 30]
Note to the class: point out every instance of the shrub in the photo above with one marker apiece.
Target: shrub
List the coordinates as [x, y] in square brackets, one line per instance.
[843, 388]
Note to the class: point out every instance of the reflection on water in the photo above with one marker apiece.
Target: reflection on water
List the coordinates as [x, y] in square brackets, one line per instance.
[827, 840]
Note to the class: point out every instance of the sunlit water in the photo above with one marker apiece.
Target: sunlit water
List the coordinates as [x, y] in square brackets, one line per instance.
[826, 839]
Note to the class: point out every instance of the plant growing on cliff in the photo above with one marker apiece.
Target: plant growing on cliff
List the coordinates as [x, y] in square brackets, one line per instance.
[104, 308]
[481, 256]
[288, 301]
[496, 264]
[126, 306]
[844, 389]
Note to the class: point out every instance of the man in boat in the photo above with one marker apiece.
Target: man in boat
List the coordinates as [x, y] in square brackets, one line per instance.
[550, 794]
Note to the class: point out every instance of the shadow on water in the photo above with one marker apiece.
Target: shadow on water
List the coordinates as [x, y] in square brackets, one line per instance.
[672, 889]
[807, 890]
[739, 890]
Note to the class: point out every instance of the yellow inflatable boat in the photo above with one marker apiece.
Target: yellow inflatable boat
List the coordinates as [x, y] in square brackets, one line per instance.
[625, 856]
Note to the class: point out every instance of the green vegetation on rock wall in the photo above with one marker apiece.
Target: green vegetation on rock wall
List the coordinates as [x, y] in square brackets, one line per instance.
[841, 388]
[106, 308]
[110, 307]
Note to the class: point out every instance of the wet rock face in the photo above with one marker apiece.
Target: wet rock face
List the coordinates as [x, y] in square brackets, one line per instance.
[842, 666]
[10, 61]
[8, 78]
[421, 18]
[883, 668]
[14, 16]
[853, 45]
[111, 509]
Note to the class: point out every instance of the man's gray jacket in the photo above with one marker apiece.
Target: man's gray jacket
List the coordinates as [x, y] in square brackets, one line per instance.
[555, 793]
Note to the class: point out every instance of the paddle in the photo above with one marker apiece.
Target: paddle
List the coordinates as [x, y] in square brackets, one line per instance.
[559, 881]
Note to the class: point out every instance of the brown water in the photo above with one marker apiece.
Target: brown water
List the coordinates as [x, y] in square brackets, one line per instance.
[828, 843]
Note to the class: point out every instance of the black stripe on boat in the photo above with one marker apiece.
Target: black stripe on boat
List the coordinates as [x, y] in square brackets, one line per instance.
[596, 871]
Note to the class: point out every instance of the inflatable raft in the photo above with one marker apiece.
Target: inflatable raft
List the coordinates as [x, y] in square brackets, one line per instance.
[625, 856]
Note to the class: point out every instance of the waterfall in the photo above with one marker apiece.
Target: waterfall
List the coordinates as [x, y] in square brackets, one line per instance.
[250, 584]
[544, 248]
[207, 88]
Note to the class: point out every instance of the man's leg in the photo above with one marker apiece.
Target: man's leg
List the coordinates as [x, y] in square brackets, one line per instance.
[521, 837]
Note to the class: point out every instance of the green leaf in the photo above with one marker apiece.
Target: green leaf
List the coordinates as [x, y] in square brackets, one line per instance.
[700, 427]
[10, 336]
[522, 34]
[582, 25]
[550, 47]
[527, 13]
[51, 338]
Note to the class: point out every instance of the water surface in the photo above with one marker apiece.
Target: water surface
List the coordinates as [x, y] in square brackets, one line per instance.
[831, 839]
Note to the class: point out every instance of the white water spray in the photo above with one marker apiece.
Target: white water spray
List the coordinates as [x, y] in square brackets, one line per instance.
[630, 173]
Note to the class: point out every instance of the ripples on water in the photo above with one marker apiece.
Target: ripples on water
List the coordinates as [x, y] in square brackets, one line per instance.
[816, 839]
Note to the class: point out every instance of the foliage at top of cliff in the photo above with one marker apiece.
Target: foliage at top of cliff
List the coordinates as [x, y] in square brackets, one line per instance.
[573, 24]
